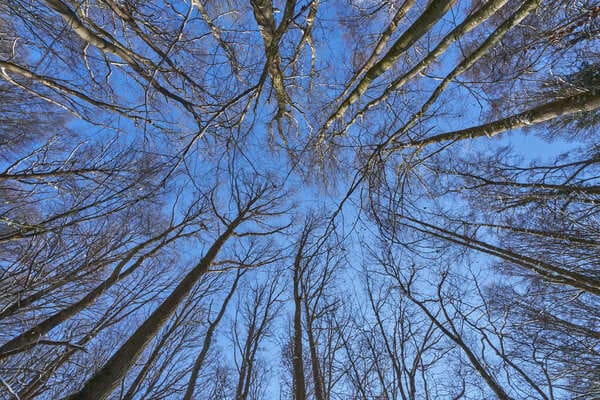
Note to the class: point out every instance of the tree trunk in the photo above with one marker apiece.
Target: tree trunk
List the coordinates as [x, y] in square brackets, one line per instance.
[104, 381]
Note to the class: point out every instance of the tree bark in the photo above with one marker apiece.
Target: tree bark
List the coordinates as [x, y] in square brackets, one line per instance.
[584, 102]
[104, 381]
[434, 12]
[189, 391]
[297, 360]
[28, 339]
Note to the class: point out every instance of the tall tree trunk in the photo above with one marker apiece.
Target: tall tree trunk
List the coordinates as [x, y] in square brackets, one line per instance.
[434, 12]
[104, 381]
[314, 358]
[297, 362]
[207, 341]
[584, 102]
[28, 339]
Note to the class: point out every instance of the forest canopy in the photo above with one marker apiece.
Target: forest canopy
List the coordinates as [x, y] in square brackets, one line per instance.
[300, 199]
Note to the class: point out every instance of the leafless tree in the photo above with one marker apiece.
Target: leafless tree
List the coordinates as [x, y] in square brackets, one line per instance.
[163, 164]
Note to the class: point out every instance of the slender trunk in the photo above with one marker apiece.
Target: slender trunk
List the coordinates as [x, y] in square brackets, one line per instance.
[381, 43]
[156, 352]
[244, 375]
[549, 272]
[434, 12]
[29, 338]
[584, 102]
[314, 361]
[480, 16]
[39, 383]
[207, 342]
[489, 379]
[104, 381]
[297, 362]
[492, 40]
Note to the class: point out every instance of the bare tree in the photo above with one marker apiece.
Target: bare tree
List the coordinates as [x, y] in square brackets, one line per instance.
[162, 165]
[251, 326]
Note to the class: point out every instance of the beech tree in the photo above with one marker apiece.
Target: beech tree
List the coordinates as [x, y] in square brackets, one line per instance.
[391, 199]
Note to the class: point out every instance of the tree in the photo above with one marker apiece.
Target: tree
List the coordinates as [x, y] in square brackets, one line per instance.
[163, 164]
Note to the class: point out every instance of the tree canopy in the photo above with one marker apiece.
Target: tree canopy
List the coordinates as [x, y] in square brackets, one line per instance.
[301, 199]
